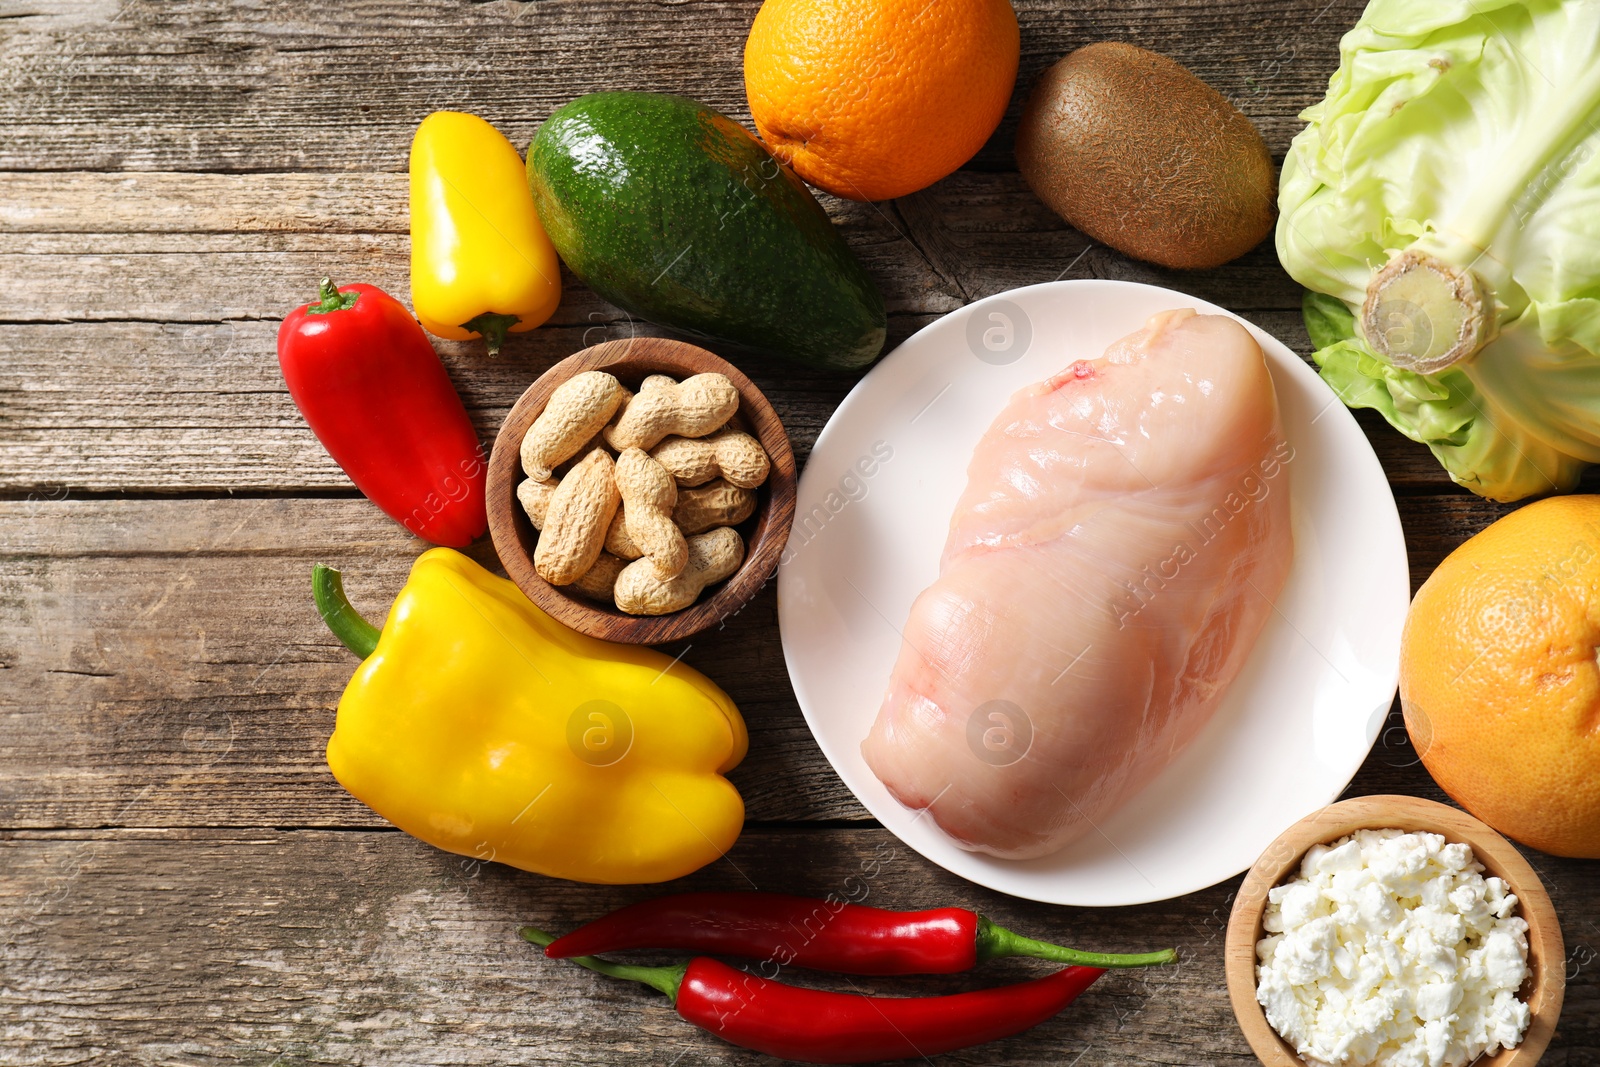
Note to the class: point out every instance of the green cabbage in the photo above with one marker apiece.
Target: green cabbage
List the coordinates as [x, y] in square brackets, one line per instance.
[1468, 130]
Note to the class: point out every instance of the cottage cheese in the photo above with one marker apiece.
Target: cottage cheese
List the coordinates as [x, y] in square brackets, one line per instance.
[1392, 948]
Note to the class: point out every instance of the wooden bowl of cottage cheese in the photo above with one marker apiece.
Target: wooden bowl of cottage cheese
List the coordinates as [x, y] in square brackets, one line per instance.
[1359, 933]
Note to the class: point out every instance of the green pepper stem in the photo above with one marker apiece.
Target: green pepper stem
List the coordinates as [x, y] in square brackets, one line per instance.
[358, 635]
[493, 326]
[996, 942]
[663, 979]
[329, 298]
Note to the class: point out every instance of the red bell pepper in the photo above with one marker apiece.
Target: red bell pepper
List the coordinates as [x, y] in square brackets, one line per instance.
[373, 390]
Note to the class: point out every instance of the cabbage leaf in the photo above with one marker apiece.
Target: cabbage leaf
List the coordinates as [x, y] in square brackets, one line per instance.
[1469, 130]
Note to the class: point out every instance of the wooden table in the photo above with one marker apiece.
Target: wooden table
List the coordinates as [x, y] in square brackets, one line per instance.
[182, 880]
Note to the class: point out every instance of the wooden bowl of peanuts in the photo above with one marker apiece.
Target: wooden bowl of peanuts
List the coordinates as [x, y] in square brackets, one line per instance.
[641, 490]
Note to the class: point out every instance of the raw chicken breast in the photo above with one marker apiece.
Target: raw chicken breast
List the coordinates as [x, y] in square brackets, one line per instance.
[1122, 537]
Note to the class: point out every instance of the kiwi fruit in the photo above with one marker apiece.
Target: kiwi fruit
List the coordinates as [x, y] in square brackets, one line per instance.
[1136, 152]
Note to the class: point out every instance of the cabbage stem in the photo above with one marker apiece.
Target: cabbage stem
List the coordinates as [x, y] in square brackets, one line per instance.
[1424, 315]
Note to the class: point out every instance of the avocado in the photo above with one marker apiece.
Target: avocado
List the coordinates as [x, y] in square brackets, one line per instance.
[676, 214]
[1137, 153]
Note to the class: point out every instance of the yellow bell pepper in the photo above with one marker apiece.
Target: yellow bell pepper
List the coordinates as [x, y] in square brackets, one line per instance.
[481, 262]
[482, 726]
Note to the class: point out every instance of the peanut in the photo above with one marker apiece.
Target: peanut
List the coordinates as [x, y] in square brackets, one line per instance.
[577, 410]
[691, 408]
[712, 557]
[576, 519]
[716, 504]
[648, 496]
[598, 581]
[618, 543]
[611, 423]
[597, 441]
[599, 438]
[535, 499]
[734, 456]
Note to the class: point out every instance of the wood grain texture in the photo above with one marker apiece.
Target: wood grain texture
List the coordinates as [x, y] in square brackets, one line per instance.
[94, 246]
[131, 348]
[164, 407]
[181, 879]
[223, 947]
[300, 947]
[764, 534]
[1545, 987]
[139, 407]
[223, 87]
[170, 650]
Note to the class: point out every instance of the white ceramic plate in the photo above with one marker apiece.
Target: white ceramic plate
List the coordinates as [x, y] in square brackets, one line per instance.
[874, 507]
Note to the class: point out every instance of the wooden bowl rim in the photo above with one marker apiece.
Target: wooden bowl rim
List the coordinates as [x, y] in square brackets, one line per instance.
[513, 535]
[1545, 988]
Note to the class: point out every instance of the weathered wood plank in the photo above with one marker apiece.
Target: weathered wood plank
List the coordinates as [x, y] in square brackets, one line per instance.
[206, 277]
[213, 86]
[163, 668]
[223, 947]
[174, 645]
[201, 407]
[242, 246]
[162, 202]
[170, 649]
[60, 527]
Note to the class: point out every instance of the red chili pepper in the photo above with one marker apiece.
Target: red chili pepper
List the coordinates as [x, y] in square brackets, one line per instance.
[825, 935]
[373, 390]
[821, 1027]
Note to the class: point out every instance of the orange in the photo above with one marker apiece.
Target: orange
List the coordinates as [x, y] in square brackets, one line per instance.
[1499, 679]
[874, 99]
